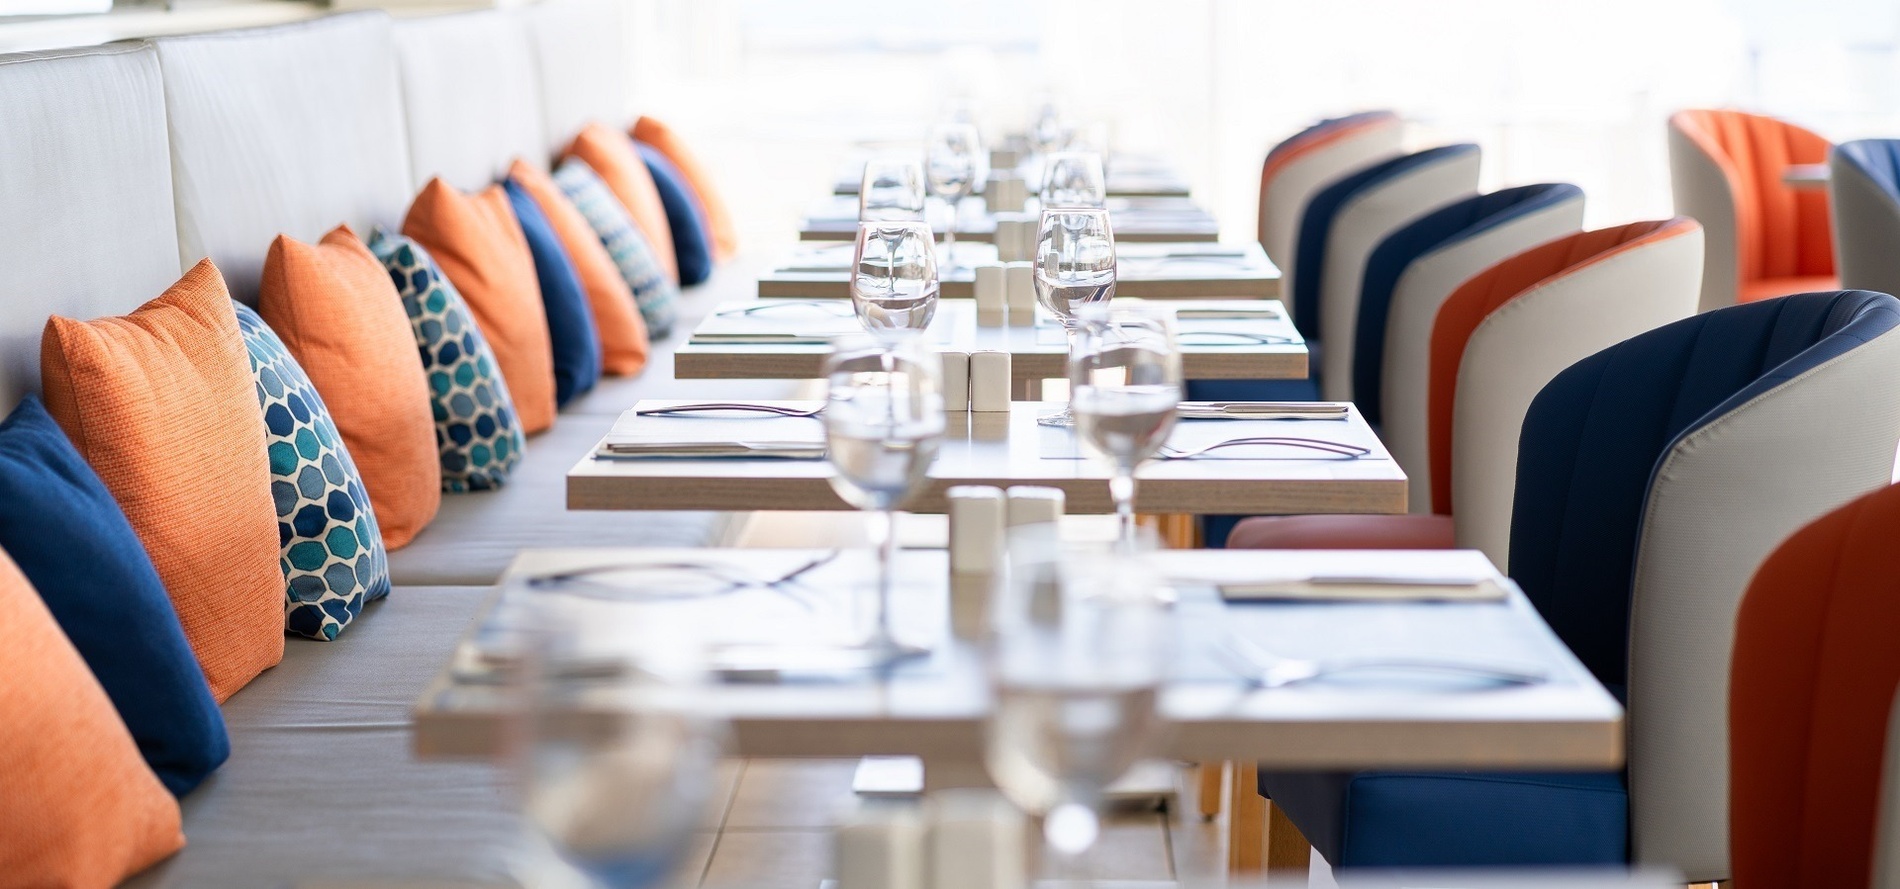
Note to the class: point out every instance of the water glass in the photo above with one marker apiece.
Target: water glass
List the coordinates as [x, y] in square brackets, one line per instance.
[1074, 179]
[894, 283]
[1074, 267]
[954, 165]
[1124, 389]
[892, 189]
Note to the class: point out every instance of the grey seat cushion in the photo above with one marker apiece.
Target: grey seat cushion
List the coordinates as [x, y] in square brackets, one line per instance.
[321, 782]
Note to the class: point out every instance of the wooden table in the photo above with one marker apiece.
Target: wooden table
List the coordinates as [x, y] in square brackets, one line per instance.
[1007, 449]
[934, 708]
[1806, 177]
[1151, 219]
[1037, 353]
[1180, 270]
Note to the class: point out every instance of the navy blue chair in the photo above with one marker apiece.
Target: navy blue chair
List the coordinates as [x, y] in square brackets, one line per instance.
[1652, 478]
[1864, 185]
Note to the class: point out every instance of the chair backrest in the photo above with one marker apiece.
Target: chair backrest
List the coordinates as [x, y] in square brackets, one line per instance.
[1532, 214]
[86, 225]
[471, 96]
[1864, 191]
[1725, 168]
[581, 48]
[1505, 333]
[1405, 190]
[1887, 838]
[1310, 160]
[288, 129]
[1653, 477]
[1813, 682]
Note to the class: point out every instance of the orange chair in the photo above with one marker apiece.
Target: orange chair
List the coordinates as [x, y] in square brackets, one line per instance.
[1814, 676]
[1765, 239]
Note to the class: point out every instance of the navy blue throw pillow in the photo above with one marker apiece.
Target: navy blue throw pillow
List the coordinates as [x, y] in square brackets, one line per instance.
[72, 541]
[692, 240]
[570, 321]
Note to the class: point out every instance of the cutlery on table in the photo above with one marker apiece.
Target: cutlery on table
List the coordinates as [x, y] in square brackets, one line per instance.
[1339, 448]
[1233, 338]
[780, 450]
[1241, 314]
[831, 307]
[763, 339]
[777, 410]
[1262, 410]
[1263, 669]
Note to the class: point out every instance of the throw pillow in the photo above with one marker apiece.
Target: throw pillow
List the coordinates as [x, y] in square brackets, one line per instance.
[161, 404]
[75, 546]
[725, 235]
[617, 322]
[611, 155]
[475, 430]
[476, 242]
[653, 291]
[571, 333]
[692, 242]
[332, 305]
[80, 808]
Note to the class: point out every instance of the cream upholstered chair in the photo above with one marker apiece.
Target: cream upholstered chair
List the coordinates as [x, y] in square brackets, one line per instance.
[1297, 168]
[1864, 189]
[1765, 238]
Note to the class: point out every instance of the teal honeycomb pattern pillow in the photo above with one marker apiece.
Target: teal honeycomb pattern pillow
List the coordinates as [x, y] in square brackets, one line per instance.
[652, 289]
[333, 556]
[475, 428]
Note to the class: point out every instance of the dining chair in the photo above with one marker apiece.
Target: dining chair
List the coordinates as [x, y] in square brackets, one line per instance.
[1810, 692]
[1460, 401]
[1887, 832]
[1652, 479]
[1308, 161]
[1864, 190]
[1766, 238]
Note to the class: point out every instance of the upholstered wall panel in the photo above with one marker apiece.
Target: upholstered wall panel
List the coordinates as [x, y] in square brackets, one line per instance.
[471, 96]
[85, 195]
[581, 48]
[291, 129]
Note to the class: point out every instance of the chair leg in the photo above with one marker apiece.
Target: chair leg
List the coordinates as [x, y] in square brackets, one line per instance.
[1246, 820]
[1212, 777]
[1288, 852]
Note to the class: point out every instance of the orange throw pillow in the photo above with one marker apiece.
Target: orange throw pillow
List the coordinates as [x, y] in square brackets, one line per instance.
[718, 217]
[479, 246]
[81, 808]
[617, 321]
[336, 310]
[611, 155]
[162, 403]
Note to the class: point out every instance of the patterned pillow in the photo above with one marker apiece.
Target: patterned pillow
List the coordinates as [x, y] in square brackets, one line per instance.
[475, 427]
[333, 557]
[652, 289]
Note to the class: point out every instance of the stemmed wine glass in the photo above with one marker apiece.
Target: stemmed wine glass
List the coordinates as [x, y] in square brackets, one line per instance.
[1074, 179]
[883, 423]
[1078, 652]
[891, 190]
[954, 164]
[1125, 388]
[894, 282]
[1075, 267]
[1047, 133]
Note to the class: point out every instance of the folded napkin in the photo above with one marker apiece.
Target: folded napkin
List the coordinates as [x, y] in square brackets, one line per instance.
[1263, 410]
[1340, 588]
[1235, 313]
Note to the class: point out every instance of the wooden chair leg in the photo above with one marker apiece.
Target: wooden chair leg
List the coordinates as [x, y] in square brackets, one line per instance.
[1246, 820]
[1212, 776]
[1289, 855]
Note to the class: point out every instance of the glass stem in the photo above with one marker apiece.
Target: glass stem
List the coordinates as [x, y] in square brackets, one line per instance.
[886, 554]
[1121, 486]
[950, 232]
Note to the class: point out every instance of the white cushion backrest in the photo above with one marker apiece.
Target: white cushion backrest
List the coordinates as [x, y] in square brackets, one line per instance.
[583, 52]
[1866, 228]
[1361, 224]
[1425, 284]
[289, 129]
[1720, 501]
[1518, 348]
[85, 195]
[1295, 184]
[471, 96]
[1702, 193]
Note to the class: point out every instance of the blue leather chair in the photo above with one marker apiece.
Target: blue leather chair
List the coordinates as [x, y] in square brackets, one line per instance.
[1864, 184]
[1652, 478]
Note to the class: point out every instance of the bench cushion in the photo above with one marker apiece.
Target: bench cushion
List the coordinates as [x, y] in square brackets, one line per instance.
[617, 321]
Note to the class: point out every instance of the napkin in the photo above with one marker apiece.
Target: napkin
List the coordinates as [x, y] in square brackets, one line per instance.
[1263, 410]
[1422, 588]
[697, 437]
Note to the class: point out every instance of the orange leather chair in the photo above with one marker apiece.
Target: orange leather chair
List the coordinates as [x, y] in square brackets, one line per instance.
[1765, 239]
[1814, 676]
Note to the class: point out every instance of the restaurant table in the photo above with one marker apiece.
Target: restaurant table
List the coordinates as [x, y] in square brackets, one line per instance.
[1000, 448]
[1806, 177]
[1152, 219]
[1262, 344]
[934, 707]
[1177, 270]
[1127, 176]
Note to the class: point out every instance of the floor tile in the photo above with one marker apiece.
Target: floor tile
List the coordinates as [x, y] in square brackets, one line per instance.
[769, 859]
[792, 793]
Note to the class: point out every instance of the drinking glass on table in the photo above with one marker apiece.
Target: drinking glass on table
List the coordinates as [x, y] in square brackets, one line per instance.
[954, 164]
[894, 282]
[1074, 179]
[1079, 648]
[891, 190]
[1124, 388]
[1074, 267]
[884, 421]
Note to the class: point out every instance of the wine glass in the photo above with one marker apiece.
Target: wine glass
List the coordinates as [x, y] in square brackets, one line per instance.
[1125, 388]
[894, 276]
[883, 423]
[1078, 651]
[1074, 179]
[953, 164]
[891, 190]
[1074, 267]
[618, 757]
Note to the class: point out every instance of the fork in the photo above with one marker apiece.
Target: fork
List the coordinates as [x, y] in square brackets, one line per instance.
[1265, 670]
[1169, 452]
[734, 578]
[774, 409]
[829, 304]
[1264, 339]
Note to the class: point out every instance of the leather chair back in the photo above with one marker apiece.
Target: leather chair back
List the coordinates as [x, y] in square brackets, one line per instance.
[1308, 161]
